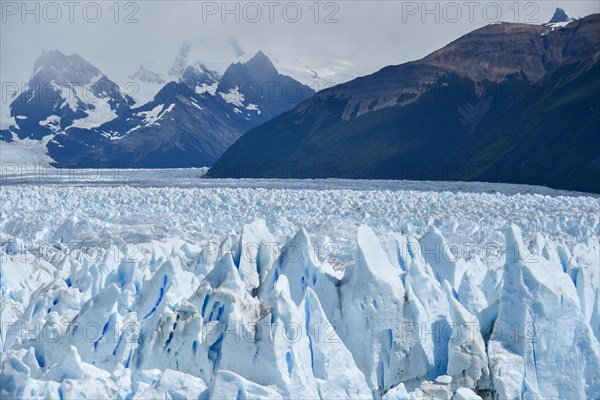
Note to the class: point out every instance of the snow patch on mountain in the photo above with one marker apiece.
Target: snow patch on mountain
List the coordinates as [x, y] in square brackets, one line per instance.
[100, 114]
[151, 117]
[210, 89]
[52, 122]
[233, 96]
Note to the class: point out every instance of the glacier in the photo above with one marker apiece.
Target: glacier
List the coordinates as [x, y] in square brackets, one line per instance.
[290, 290]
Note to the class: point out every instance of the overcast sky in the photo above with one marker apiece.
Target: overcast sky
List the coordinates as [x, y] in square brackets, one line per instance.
[355, 37]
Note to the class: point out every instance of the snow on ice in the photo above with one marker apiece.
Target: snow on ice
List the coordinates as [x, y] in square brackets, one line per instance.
[288, 290]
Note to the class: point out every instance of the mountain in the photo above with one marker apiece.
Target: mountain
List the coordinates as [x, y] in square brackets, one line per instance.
[184, 67]
[187, 123]
[178, 128]
[64, 92]
[551, 136]
[261, 85]
[145, 75]
[217, 53]
[560, 16]
[508, 102]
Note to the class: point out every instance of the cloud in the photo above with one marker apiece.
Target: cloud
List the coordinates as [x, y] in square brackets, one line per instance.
[339, 40]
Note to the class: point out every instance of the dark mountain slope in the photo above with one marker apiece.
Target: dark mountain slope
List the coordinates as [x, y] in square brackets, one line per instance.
[552, 137]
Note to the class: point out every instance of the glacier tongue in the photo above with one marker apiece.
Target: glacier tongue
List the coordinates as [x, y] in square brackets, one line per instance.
[253, 318]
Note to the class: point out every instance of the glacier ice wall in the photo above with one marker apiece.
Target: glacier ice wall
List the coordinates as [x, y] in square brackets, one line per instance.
[250, 322]
[256, 314]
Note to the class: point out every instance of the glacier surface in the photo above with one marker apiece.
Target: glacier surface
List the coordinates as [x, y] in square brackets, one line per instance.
[292, 290]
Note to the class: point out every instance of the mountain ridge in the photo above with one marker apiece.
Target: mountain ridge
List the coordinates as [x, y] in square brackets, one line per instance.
[109, 130]
[403, 119]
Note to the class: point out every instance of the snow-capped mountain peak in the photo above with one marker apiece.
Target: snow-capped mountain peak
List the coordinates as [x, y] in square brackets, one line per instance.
[198, 75]
[56, 66]
[180, 61]
[259, 66]
[260, 59]
[257, 84]
[181, 119]
[559, 20]
[185, 68]
[145, 75]
[67, 91]
[560, 16]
